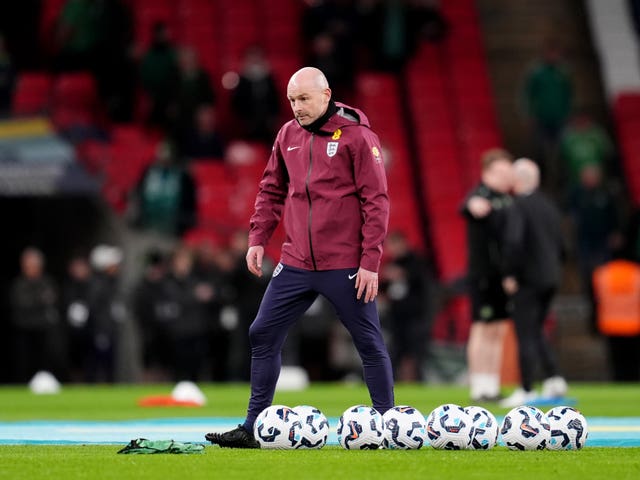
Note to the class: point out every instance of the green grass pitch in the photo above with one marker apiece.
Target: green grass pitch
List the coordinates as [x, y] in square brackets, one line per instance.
[119, 403]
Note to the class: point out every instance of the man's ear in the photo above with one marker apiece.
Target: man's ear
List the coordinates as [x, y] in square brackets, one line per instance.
[327, 92]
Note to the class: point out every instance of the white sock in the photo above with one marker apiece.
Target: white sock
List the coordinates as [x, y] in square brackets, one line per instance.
[474, 386]
[493, 385]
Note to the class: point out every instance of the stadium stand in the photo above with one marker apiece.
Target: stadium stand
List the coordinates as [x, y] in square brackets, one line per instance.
[32, 93]
[379, 97]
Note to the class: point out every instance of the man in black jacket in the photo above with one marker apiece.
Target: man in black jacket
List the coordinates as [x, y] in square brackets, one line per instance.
[533, 251]
[484, 211]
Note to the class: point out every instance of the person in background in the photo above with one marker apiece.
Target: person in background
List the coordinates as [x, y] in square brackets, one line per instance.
[108, 313]
[202, 139]
[404, 280]
[584, 143]
[485, 213]
[616, 286]
[76, 35]
[7, 79]
[193, 91]
[183, 313]
[548, 101]
[244, 298]
[76, 311]
[159, 77]
[163, 201]
[35, 319]
[597, 226]
[147, 297]
[533, 253]
[114, 66]
[255, 100]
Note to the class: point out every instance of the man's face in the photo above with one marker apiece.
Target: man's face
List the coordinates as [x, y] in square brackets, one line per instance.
[501, 175]
[308, 101]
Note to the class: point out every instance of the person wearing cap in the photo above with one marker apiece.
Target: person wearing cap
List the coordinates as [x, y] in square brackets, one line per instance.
[107, 311]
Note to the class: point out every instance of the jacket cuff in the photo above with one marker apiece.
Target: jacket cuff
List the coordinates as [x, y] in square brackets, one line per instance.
[256, 241]
[370, 263]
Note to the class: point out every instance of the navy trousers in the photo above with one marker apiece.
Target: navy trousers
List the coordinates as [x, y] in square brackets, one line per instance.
[290, 293]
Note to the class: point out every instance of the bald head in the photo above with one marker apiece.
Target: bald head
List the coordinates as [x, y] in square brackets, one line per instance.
[309, 77]
[527, 176]
[309, 94]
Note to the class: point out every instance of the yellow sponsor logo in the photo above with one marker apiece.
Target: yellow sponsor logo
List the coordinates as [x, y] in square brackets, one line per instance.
[376, 152]
[337, 134]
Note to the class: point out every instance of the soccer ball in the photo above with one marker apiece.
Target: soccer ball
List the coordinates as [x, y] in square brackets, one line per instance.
[449, 427]
[569, 429]
[277, 427]
[404, 428]
[315, 427]
[485, 428]
[360, 428]
[525, 428]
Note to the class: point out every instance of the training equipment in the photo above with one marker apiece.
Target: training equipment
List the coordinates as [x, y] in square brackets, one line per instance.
[277, 427]
[569, 429]
[315, 427]
[525, 428]
[405, 428]
[360, 428]
[485, 428]
[449, 427]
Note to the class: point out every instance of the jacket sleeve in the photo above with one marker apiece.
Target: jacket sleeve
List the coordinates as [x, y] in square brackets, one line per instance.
[513, 239]
[371, 184]
[272, 193]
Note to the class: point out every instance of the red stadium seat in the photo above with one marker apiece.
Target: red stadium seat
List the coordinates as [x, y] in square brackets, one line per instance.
[32, 93]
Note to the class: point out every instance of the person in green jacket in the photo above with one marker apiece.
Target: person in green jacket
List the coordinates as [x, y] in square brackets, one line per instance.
[548, 100]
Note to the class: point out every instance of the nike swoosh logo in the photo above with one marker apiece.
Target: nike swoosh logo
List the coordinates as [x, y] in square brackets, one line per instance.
[351, 277]
[291, 148]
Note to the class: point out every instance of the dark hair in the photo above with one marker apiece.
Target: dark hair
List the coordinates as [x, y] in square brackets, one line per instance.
[493, 155]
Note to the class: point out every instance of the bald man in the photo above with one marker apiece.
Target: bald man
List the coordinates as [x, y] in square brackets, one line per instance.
[534, 249]
[326, 176]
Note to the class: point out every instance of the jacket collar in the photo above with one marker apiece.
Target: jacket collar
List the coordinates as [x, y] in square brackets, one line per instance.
[338, 115]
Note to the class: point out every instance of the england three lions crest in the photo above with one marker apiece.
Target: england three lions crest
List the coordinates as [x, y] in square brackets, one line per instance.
[332, 148]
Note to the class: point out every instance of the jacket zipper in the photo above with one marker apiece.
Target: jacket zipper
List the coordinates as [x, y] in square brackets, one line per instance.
[313, 258]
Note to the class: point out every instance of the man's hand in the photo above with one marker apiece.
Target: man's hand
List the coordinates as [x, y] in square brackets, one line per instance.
[510, 285]
[367, 283]
[479, 207]
[254, 259]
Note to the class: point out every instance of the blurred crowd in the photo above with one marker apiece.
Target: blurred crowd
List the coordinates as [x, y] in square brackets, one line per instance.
[165, 86]
[188, 316]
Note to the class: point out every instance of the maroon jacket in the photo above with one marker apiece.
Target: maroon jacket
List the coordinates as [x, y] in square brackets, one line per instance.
[333, 190]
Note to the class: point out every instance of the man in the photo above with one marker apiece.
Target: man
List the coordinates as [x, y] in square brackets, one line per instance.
[327, 174]
[533, 251]
[37, 340]
[484, 211]
[405, 283]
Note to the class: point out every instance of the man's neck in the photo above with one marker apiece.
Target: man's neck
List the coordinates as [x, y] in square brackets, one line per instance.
[317, 124]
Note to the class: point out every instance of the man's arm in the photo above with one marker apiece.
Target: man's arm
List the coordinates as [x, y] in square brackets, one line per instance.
[371, 183]
[513, 253]
[269, 203]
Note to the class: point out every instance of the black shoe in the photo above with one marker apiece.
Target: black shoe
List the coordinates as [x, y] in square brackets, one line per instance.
[236, 438]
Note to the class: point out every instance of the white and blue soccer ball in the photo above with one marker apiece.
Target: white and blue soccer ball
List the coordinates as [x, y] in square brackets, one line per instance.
[485, 428]
[278, 427]
[315, 427]
[449, 427]
[405, 428]
[360, 428]
[525, 428]
[569, 429]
